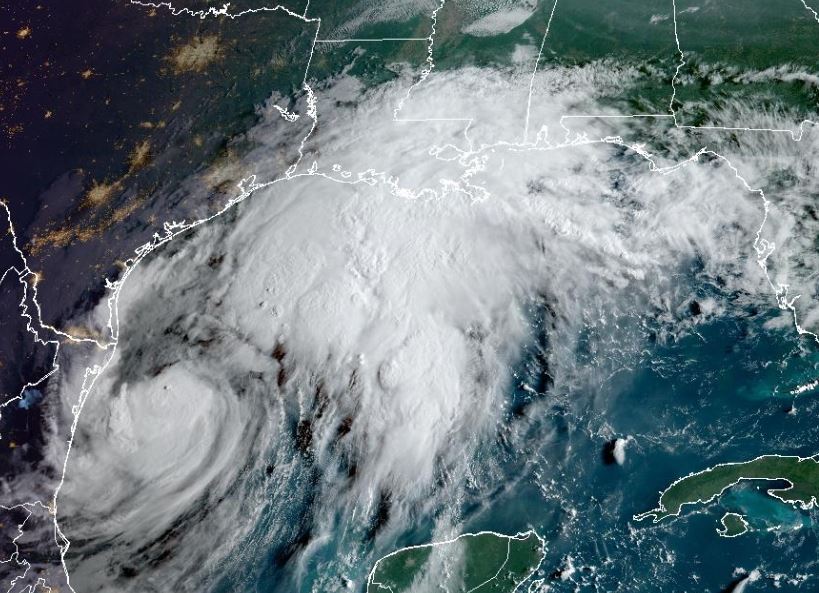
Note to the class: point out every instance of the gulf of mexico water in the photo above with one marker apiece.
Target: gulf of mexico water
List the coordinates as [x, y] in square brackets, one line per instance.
[717, 391]
[717, 394]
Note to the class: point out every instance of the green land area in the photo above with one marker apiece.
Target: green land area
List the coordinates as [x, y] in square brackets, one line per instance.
[802, 473]
[484, 562]
[732, 525]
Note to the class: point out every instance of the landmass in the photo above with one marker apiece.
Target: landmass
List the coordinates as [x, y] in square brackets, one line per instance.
[733, 524]
[484, 561]
[800, 473]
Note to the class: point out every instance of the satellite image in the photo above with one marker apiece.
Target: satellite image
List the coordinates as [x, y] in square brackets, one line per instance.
[409, 296]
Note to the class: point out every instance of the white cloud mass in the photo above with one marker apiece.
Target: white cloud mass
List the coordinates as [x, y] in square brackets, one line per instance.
[332, 346]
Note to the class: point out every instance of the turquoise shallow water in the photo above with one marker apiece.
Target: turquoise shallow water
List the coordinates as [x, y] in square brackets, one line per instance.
[763, 511]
